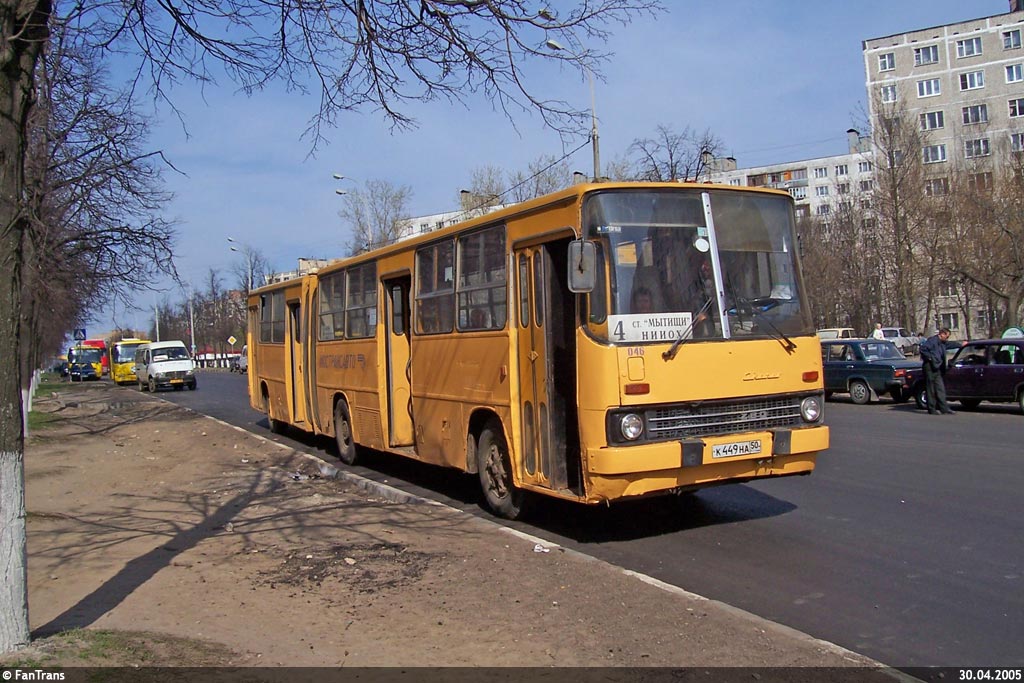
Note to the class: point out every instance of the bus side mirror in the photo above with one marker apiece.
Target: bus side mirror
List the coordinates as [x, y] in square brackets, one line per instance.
[582, 266]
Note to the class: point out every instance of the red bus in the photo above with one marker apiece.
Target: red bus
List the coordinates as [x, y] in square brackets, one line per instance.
[100, 344]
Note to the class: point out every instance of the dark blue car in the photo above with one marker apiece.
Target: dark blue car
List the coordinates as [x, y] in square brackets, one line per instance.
[866, 368]
[82, 372]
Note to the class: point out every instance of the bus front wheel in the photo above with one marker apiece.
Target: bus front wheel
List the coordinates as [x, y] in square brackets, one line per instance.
[495, 470]
[343, 435]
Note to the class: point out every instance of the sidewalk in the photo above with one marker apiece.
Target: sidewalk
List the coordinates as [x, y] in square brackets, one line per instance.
[144, 516]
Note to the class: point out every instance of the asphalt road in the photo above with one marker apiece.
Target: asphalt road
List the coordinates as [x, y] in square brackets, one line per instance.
[904, 545]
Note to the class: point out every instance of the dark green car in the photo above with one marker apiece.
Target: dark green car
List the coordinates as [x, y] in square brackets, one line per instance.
[866, 369]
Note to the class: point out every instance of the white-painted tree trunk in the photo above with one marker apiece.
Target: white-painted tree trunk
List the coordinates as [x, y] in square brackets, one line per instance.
[14, 633]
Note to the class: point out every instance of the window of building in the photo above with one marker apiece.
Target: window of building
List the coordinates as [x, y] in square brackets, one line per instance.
[976, 148]
[981, 182]
[972, 80]
[976, 113]
[887, 62]
[821, 191]
[331, 304]
[1015, 73]
[272, 317]
[1017, 142]
[933, 154]
[932, 120]
[821, 172]
[867, 185]
[1011, 39]
[867, 223]
[802, 211]
[798, 192]
[926, 55]
[864, 167]
[435, 288]
[843, 188]
[936, 187]
[822, 210]
[481, 291]
[968, 47]
[950, 321]
[865, 203]
[947, 288]
[842, 169]
[735, 181]
[929, 88]
[888, 93]
[1016, 108]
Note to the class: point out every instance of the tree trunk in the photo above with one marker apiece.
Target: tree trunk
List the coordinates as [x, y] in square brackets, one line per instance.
[23, 33]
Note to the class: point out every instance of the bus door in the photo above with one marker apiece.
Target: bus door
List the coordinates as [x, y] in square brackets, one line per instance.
[547, 367]
[399, 368]
[295, 369]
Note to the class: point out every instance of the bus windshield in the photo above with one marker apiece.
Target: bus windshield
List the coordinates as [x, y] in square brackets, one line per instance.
[125, 353]
[85, 354]
[664, 278]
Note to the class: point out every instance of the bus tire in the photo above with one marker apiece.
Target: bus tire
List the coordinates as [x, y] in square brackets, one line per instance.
[142, 387]
[495, 470]
[152, 385]
[348, 453]
[276, 426]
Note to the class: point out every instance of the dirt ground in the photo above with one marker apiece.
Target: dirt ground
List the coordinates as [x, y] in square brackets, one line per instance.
[145, 518]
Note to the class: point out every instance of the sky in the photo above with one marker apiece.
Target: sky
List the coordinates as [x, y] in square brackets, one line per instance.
[775, 80]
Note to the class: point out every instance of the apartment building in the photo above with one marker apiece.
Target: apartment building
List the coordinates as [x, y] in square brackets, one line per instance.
[817, 185]
[963, 83]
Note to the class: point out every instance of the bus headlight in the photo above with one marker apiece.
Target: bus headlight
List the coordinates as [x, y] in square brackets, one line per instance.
[810, 409]
[632, 426]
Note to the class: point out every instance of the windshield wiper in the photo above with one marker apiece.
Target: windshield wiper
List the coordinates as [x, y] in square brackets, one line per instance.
[788, 344]
[687, 333]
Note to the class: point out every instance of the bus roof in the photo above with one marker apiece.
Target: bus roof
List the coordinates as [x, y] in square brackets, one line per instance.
[569, 194]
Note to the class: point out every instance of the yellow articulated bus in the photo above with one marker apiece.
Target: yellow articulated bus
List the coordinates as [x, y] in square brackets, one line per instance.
[122, 360]
[603, 342]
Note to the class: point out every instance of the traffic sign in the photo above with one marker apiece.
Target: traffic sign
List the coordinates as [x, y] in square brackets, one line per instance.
[79, 334]
[232, 340]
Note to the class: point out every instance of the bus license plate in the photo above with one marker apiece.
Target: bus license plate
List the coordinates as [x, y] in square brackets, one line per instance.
[729, 450]
[177, 381]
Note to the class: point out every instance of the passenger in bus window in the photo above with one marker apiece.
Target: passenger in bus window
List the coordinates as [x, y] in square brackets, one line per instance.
[478, 319]
[700, 295]
[642, 301]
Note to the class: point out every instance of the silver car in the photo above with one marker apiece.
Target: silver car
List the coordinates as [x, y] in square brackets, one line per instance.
[907, 342]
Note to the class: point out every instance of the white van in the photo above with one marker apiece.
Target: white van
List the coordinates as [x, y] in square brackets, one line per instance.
[164, 364]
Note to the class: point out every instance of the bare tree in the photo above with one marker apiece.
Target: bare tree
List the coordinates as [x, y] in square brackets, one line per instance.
[494, 186]
[906, 214]
[377, 215]
[672, 155]
[841, 262]
[385, 55]
[986, 242]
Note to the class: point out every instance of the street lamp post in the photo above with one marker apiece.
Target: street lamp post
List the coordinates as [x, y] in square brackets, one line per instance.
[245, 251]
[556, 47]
[191, 321]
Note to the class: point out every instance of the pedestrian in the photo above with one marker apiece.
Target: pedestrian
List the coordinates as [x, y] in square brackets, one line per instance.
[933, 355]
[878, 334]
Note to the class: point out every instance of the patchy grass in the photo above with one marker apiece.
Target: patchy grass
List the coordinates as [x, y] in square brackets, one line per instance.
[38, 420]
[87, 647]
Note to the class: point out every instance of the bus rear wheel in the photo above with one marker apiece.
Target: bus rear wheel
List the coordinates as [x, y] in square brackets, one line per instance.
[347, 451]
[495, 470]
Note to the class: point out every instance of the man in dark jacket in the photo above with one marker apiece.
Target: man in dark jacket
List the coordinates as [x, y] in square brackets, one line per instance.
[933, 353]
